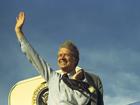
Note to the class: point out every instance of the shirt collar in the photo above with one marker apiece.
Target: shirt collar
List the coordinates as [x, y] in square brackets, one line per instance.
[71, 73]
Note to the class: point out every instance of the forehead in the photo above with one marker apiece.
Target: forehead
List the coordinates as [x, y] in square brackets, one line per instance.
[64, 50]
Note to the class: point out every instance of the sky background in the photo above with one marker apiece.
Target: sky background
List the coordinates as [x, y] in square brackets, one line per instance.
[107, 34]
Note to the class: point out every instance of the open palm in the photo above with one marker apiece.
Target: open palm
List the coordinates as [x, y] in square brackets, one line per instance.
[20, 20]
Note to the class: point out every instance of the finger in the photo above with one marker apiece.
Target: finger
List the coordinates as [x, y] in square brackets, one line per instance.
[22, 15]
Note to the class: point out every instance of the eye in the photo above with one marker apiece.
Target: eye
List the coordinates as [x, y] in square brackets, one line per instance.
[60, 55]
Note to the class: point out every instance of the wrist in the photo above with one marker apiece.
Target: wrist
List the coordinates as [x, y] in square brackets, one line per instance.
[17, 29]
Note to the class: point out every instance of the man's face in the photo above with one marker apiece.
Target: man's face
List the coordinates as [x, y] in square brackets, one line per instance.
[66, 60]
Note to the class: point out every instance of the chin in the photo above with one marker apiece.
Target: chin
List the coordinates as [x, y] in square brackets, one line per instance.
[65, 69]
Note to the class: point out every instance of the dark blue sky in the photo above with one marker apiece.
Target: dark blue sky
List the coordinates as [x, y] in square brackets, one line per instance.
[107, 34]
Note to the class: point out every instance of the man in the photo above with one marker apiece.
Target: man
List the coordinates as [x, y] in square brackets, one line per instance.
[70, 85]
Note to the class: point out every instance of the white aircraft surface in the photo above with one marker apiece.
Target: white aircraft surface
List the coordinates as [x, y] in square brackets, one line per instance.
[32, 91]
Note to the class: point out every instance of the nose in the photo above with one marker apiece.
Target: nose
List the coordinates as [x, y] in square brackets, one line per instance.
[62, 56]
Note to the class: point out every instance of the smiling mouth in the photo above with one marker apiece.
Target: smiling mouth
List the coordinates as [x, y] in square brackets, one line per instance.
[63, 62]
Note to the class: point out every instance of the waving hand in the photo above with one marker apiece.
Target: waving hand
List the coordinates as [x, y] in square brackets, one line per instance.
[19, 23]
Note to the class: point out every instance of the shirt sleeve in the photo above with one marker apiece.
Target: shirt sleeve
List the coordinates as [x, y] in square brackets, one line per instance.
[38, 62]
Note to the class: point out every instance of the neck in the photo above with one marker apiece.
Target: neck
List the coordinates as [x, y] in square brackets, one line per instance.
[73, 71]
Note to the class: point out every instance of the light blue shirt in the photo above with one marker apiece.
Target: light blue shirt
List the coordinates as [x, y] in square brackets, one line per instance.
[59, 92]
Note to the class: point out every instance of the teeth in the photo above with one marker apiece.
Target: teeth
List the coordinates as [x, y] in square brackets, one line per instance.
[62, 62]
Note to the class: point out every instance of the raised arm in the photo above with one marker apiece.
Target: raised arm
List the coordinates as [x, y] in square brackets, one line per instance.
[39, 64]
